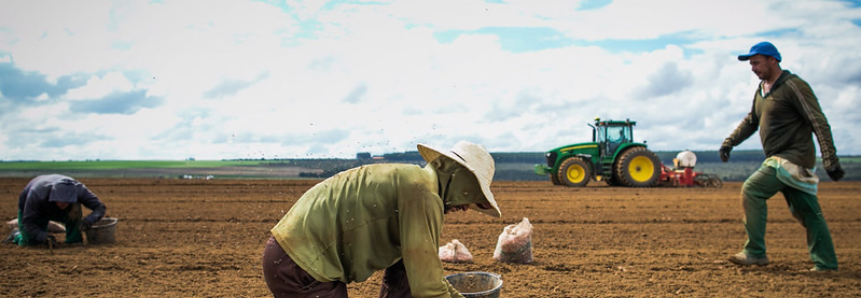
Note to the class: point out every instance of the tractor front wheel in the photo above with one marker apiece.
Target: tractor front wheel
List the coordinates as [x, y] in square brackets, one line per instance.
[574, 172]
[638, 167]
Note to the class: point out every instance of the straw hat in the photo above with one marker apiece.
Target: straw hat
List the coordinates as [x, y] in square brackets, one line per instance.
[477, 160]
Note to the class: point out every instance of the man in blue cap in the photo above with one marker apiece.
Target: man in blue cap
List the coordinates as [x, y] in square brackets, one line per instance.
[57, 198]
[787, 114]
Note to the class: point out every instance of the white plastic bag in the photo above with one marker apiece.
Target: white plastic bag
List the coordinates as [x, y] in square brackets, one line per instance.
[53, 227]
[515, 244]
[454, 252]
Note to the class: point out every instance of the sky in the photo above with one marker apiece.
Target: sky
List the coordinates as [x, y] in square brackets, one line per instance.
[171, 80]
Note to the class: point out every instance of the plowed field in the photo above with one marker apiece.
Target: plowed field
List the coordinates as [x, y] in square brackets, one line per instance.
[194, 238]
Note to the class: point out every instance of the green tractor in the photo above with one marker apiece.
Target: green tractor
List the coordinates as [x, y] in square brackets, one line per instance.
[612, 156]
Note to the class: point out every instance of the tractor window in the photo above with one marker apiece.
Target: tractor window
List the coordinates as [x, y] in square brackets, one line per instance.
[601, 135]
[616, 134]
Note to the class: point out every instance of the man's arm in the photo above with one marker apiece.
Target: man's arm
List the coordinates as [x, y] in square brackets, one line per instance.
[89, 200]
[745, 129]
[421, 220]
[30, 218]
[808, 106]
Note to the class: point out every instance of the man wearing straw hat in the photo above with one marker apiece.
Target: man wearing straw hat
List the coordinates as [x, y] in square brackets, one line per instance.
[58, 198]
[378, 217]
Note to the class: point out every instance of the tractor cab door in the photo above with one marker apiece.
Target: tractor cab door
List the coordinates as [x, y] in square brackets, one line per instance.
[615, 136]
[600, 137]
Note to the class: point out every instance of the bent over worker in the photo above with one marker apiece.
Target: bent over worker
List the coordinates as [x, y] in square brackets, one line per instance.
[57, 198]
[378, 217]
[787, 114]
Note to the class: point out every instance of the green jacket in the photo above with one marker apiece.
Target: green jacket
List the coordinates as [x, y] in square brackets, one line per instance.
[787, 117]
[367, 219]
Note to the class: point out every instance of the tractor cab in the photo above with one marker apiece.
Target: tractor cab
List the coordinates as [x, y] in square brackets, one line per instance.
[609, 135]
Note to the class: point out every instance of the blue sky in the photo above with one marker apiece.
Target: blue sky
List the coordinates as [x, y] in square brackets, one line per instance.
[280, 79]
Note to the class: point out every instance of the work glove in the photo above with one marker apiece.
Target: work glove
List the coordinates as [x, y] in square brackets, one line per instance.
[86, 225]
[724, 153]
[836, 173]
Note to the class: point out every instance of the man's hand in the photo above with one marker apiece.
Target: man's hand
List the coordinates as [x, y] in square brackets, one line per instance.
[86, 225]
[724, 153]
[836, 173]
[50, 240]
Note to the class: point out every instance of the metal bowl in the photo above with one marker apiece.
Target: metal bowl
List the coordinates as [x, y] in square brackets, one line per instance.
[476, 284]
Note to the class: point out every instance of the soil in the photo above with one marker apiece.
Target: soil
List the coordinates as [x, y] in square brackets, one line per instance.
[204, 238]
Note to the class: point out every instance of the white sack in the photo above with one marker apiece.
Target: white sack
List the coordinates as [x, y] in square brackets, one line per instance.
[454, 252]
[515, 244]
[53, 227]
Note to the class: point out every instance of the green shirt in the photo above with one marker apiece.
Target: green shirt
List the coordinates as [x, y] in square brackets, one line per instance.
[367, 219]
[787, 117]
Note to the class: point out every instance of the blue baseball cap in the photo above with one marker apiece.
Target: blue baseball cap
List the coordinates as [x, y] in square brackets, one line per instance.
[763, 48]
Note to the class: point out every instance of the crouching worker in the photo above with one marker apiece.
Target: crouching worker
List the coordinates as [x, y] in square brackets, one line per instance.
[55, 198]
[378, 217]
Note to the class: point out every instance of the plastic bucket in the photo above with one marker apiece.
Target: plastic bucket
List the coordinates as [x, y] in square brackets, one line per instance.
[476, 284]
[103, 231]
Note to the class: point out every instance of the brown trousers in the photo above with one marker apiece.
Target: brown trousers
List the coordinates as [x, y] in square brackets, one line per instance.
[286, 279]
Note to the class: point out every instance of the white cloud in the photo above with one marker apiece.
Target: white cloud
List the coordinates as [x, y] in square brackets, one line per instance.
[631, 19]
[49, 38]
[100, 87]
[248, 79]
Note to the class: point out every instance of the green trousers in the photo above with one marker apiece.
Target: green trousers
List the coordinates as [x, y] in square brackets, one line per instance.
[764, 184]
[72, 219]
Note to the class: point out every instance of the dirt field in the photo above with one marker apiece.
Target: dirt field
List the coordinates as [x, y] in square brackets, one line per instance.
[181, 238]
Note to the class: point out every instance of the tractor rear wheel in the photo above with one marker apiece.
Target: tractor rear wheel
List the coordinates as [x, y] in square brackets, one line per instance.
[638, 167]
[574, 172]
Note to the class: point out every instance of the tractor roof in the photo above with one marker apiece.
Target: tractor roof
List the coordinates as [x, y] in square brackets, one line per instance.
[600, 122]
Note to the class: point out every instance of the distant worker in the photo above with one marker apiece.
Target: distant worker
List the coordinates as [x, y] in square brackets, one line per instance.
[786, 112]
[375, 217]
[55, 198]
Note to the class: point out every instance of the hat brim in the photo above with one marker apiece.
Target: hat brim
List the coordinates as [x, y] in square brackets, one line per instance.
[748, 56]
[430, 154]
